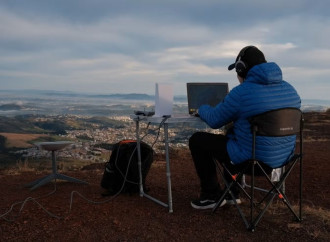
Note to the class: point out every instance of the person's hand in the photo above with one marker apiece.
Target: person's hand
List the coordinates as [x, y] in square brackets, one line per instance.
[196, 113]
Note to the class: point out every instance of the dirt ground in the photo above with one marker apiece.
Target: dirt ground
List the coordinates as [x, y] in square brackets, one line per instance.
[75, 212]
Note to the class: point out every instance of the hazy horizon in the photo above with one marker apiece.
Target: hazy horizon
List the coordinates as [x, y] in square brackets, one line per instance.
[51, 102]
[60, 92]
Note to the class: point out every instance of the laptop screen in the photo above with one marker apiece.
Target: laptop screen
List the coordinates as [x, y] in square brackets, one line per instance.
[199, 93]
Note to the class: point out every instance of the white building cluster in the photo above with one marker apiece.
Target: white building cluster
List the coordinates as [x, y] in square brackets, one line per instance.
[88, 143]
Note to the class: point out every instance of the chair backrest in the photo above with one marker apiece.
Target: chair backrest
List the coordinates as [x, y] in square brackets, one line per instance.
[278, 122]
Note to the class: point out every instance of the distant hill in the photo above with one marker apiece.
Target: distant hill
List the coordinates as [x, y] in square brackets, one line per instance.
[10, 106]
[123, 96]
[17, 125]
[129, 96]
[54, 124]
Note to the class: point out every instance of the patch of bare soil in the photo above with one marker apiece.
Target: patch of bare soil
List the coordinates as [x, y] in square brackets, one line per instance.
[75, 212]
[20, 140]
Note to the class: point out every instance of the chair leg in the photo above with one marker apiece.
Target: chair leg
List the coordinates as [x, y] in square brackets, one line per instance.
[300, 201]
[276, 190]
[228, 186]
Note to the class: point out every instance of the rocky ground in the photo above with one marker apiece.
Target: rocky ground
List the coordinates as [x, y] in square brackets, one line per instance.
[75, 212]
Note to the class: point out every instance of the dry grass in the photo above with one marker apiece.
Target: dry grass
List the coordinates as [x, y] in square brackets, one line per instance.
[321, 213]
[319, 223]
[20, 140]
[316, 221]
[20, 167]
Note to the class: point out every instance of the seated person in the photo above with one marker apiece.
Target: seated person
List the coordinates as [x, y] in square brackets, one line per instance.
[261, 89]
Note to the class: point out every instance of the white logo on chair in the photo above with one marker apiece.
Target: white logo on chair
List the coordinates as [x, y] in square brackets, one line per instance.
[286, 129]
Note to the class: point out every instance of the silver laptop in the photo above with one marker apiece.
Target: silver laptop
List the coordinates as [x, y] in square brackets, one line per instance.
[199, 93]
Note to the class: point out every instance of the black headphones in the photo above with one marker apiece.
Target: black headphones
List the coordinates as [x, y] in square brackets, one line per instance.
[240, 66]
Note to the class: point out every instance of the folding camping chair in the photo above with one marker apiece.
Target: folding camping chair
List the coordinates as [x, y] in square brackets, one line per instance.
[275, 123]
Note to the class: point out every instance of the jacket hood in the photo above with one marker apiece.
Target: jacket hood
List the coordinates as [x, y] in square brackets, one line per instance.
[266, 73]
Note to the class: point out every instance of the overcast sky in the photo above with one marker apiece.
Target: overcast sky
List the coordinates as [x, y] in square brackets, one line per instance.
[118, 46]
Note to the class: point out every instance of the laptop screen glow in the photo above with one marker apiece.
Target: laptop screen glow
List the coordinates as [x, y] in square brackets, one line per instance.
[199, 93]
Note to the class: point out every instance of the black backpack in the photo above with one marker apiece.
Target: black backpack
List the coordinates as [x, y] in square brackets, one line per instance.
[123, 163]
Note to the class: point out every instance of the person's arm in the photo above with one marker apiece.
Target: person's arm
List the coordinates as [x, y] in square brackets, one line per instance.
[222, 114]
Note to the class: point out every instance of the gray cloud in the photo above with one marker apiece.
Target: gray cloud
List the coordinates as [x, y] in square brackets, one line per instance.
[99, 45]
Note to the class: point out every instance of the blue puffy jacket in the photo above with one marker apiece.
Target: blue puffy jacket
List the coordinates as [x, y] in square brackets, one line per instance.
[262, 90]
